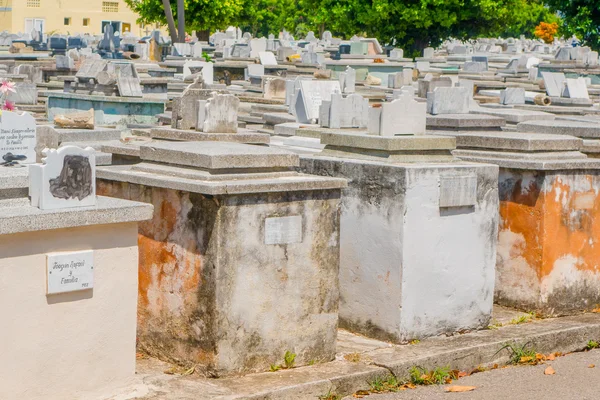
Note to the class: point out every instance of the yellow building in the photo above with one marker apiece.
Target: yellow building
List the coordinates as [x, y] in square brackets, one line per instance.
[68, 16]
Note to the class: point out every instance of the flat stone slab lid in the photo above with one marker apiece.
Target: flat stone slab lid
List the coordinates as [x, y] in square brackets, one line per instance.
[517, 141]
[242, 136]
[14, 177]
[389, 143]
[17, 215]
[218, 155]
[465, 121]
[561, 127]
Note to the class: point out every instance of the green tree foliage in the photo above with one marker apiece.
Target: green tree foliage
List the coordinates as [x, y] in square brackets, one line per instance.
[580, 18]
[200, 15]
[410, 24]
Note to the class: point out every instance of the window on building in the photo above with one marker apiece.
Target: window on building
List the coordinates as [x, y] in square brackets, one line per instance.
[110, 6]
[67, 21]
[86, 22]
[33, 3]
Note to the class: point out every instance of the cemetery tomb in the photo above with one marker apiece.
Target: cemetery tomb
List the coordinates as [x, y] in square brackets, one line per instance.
[430, 223]
[76, 268]
[232, 297]
[546, 259]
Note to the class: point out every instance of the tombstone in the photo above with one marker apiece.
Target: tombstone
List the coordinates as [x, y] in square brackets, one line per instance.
[512, 96]
[257, 46]
[554, 82]
[469, 84]
[399, 79]
[482, 59]
[428, 52]
[429, 85]
[309, 96]
[275, 88]
[349, 85]
[240, 50]
[90, 69]
[284, 52]
[340, 112]
[218, 114]
[254, 70]
[66, 179]
[533, 74]
[576, 89]
[25, 93]
[34, 73]
[64, 62]
[403, 116]
[267, 58]
[423, 65]
[448, 100]
[565, 54]
[359, 48]
[17, 138]
[396, 54]
[474, 66]
[193, 67]
[310, 37]
[591, 58]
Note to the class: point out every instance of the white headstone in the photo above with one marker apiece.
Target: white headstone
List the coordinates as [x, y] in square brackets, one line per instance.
[65, 179]
[448, 100]
[257, 46]
[340, 112]
[403, 116]
[17, 138]
[576, 89]
[555, 83]
[221, 112]
[308, 98]
[190, 67]
[267, 58]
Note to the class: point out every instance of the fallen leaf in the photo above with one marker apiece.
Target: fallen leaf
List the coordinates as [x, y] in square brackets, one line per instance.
[458, 389]
[448, 380]
[539, 356]
[596, 310]
[549, 371]
[495, 366]
[462, 374]
[409, 386]
[551, 357]
[591, 366]
[525, 359]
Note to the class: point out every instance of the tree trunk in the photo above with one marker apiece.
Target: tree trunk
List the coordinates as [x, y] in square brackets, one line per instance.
[181, 20]
[170, 20]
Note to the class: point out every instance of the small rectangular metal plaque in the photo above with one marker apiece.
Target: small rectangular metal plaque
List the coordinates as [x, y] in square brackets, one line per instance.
[458, 191]
[283, 230]
[70, 272]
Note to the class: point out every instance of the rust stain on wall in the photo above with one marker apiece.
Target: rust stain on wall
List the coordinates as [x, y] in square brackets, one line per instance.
[557, 215]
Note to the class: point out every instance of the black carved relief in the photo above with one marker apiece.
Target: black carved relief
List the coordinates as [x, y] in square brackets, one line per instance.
[75, 179]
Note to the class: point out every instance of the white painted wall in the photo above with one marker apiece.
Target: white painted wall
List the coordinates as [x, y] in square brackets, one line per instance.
[70, 345]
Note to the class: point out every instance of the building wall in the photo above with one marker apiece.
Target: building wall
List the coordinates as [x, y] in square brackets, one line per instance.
[74, 345]
[54, 12]
[6, 15]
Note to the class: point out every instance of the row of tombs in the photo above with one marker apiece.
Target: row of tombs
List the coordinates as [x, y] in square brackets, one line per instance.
[225, 253]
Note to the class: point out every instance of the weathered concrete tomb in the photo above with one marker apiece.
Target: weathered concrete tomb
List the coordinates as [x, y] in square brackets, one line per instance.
[418, 234]
[240, 261]
[548, 234]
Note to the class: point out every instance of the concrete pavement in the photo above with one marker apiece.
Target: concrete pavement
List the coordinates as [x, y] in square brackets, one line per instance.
[573, 380]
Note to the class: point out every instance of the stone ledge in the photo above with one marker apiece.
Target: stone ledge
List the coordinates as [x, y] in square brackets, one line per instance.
[14, 177]
[17, 215]
[242, 136]
[227, 184]
[462, 352]
[550, 164]
[562, 127]
[389, 143]
[464, 121]
[505, 140]
[218, 155]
